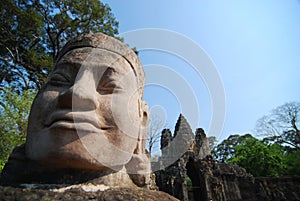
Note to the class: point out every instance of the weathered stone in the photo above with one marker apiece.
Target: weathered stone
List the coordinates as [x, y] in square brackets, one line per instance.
[174, 147]
[210, 180]
[226, 182]
[183, 137]
[89, 114]
[166, 138]
[112, 194]
[176, 153]
[21, 170]
[201, 148]
[89, 122]
[216, 181]
[278, 188]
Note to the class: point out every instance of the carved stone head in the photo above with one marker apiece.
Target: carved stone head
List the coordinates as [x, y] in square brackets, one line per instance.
[90, 114]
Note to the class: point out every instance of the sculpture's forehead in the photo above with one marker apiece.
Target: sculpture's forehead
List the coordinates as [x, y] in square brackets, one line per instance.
[95, 58]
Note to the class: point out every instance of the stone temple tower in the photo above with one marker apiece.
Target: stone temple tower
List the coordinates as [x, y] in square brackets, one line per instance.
[188, 172]
[179, 153]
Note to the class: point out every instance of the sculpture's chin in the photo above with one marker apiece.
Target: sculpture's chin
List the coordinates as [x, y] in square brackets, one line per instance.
[63, 148]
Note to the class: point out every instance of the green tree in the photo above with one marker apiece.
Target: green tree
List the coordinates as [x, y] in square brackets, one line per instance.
[32, 33]
[14, 112]
[225, 150]
[259, 159]
[282, 125]
[292, 161]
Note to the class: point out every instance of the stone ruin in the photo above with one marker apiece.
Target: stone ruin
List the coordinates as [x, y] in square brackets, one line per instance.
[195, 176]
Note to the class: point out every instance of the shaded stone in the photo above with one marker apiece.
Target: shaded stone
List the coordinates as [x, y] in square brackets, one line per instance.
[86, 130]
[175, 147]
[226, 182]
[201, 145]
[208, 179]
[112, 194]
[89, 121]
[79, 119]
[280, 188]
[19, 170]
[166, 138]
[196, 176]
[176, 152]
[183, 137]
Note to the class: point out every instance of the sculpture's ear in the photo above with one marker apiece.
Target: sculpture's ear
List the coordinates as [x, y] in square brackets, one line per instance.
[139, 167]
[145, 115]
[141, 141]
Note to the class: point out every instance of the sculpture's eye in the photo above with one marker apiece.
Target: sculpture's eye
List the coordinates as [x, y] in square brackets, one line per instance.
[108, 84]
[107, 88]
[59, 79]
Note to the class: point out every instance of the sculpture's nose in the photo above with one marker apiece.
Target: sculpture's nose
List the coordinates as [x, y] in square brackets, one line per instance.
[82, 95]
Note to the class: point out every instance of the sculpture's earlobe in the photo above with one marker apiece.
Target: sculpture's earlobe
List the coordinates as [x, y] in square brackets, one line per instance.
[144, 128]
[145, 115]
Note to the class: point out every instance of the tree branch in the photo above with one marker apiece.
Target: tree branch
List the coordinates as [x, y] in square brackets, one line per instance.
[10, 52]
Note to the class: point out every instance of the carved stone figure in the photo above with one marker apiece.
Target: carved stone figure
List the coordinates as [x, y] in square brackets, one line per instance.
[90, 114]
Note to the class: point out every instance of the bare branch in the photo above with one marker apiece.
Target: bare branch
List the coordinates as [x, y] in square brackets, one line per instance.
[282, 122]
[10, 52]
[156, 125]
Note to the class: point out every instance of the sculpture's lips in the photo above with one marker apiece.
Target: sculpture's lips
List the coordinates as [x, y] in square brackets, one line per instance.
[79, 121]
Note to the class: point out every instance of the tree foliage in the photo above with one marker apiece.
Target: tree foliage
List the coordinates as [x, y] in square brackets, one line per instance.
[32, 33]
[292, 161]
[225, 150]
[258, 157]
[14, 112]
[282, 125]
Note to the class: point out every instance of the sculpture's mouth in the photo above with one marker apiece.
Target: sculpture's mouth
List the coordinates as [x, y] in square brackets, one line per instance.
[77, 121]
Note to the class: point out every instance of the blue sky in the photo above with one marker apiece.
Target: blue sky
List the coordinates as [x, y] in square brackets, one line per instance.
[254, 45]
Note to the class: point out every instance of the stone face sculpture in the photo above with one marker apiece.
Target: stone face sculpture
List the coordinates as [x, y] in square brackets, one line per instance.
[90, 114]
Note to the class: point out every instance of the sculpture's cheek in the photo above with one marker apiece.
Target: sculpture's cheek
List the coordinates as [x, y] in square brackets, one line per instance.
[43, 105]
[119, 118]
[110, 148]
[121, 111]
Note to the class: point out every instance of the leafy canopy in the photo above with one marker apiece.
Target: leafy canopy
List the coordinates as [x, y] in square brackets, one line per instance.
[14, 112]
[258, 157]
[225, 150]
[32, 33]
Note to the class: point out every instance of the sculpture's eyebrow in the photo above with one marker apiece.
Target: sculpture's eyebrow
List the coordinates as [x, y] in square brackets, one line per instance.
[75, 65]
[127, 60]
[108, 76]
[67, 68]
[80, 47]
[109, 71]
[120, 60]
